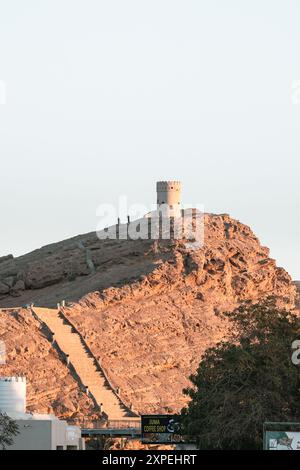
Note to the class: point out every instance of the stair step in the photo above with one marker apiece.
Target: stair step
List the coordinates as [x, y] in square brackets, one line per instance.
[84, 362]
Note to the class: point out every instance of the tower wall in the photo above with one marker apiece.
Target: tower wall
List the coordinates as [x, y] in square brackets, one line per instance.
[169, 192]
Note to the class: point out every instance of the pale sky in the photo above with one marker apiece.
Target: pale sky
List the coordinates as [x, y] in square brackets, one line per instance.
[105, 97]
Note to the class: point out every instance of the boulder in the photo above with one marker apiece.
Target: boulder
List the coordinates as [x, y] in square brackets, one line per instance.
[6, 258]
[19, 285]
[9, 281]
[4, 289]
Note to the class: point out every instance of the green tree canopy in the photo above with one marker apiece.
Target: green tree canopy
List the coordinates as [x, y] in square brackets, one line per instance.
[8, 430]
[245, 381]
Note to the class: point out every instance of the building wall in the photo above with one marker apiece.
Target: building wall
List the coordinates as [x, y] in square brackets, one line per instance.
[36, 434]
[33, 435]
[58, 434]
[73, 436]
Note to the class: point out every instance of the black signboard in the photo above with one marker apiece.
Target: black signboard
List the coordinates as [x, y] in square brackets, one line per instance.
[162, 429]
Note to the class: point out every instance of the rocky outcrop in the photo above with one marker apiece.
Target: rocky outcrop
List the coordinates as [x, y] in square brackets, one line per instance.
[232, 255]
[297, 285]
[6, 258]
[4, 288]
[50, 386]
[151, 333]
[148, 309]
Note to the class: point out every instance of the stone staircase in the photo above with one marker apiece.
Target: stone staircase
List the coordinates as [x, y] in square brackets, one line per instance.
[84, 364]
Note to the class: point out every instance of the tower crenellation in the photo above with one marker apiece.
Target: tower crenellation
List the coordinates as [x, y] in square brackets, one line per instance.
[169, 193]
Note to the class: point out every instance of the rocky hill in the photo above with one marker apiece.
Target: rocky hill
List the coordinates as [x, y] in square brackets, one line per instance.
[297, 285]
[148, 309]
[50, 386]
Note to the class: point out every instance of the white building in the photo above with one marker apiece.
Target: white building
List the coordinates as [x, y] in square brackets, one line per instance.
[36, 431]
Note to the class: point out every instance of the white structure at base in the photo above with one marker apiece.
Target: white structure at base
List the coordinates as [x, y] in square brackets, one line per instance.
[13, 395]
[36, 431]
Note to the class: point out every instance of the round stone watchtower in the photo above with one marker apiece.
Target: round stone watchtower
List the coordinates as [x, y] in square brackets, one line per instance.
[169, 195]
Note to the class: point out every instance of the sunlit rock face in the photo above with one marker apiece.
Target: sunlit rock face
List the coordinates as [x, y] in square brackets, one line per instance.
[149, 308]
[51, 389]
